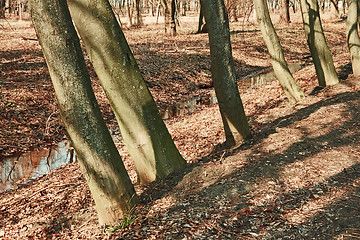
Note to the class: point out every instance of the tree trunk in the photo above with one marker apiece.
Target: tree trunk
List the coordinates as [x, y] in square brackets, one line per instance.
[352, 36]
[173, 18]
[223, 73]
[320, 53]
[202, 27]
[139, 20]
[145, 134]
[98, 157]
[2, 8]
[285, 11]
[169, 15]
[282, 72]
[130, 12]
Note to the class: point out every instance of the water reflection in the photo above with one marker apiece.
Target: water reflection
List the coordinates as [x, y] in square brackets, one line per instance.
[34, 164]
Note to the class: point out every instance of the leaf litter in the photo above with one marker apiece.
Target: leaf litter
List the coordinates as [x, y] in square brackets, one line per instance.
[298, 177]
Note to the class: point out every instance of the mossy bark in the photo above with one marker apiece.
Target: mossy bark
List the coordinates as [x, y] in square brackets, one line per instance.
[98, 157]
[320, 53]
[145, 135]
[223, 72]
[282, 72]
[352, 35]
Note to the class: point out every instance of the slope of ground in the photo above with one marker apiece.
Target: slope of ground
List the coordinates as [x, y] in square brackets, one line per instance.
[298, 177]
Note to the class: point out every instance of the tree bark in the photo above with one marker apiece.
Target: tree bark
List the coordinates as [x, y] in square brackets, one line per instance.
[282, 72]
[144, 133]
[139, 20]
[2, 9]
[320, 53]
[223, 73]
[98, 157]
[173, 18]
[285, 11]
[352, 36]
[202, 27]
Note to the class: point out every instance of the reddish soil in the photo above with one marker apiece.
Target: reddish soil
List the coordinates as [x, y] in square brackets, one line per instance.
[298, 177]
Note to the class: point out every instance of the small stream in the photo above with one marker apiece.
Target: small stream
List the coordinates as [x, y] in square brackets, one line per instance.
[31, 165]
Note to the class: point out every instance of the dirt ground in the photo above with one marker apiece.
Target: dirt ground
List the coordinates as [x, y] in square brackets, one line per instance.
[298, 177]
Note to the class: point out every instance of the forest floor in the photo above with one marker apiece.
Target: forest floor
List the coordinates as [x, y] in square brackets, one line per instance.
[298, 177]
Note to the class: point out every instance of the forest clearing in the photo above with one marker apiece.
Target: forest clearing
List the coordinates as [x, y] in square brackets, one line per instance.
[297, 177]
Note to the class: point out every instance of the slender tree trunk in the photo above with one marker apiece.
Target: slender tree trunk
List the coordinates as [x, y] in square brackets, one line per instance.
[202, 27]
[282, 72]
[98, 157]
[169, 7]
[321, 55]
[130, 12]
[20, 10]
[2, 9]
[173, 18]
[145, 134]
[352, 36]
[285, 11]
[167, 16]
[158, 11]
[139, 20]
[223, 73]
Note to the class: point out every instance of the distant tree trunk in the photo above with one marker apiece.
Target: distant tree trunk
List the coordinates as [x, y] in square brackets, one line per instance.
[169, 15]
[352, 35]
[130, 11]
[202, 27]
[285, 11]
[158, 11]
[335, 8]
[2, 9]
[139, 20]
[320, 53]
[282, 72]
[149, 143]
[174, 18]
[223, 73]
[98, 157]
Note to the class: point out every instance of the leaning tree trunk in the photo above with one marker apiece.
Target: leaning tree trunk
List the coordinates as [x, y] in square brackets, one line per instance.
[282, 72]
[98, 157]
[352, 35]
[223, 73]
[144, 133]
[320, 53]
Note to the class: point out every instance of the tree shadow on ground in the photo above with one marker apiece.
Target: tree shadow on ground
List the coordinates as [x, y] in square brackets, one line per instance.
[257, 199]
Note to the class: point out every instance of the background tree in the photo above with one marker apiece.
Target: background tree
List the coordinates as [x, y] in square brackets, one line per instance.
[169, 7]
[97, 155]
[202, 28]
[282, 72]
[285, 11]
[144, 132]
[320, 53]
[352, 35]
[223, 72]
[2, 8]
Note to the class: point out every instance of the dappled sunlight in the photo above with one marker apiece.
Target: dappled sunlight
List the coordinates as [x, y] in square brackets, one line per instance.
[317, 168]
[318, 203]
[323, 120]
[313, 206]
[277, 142]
